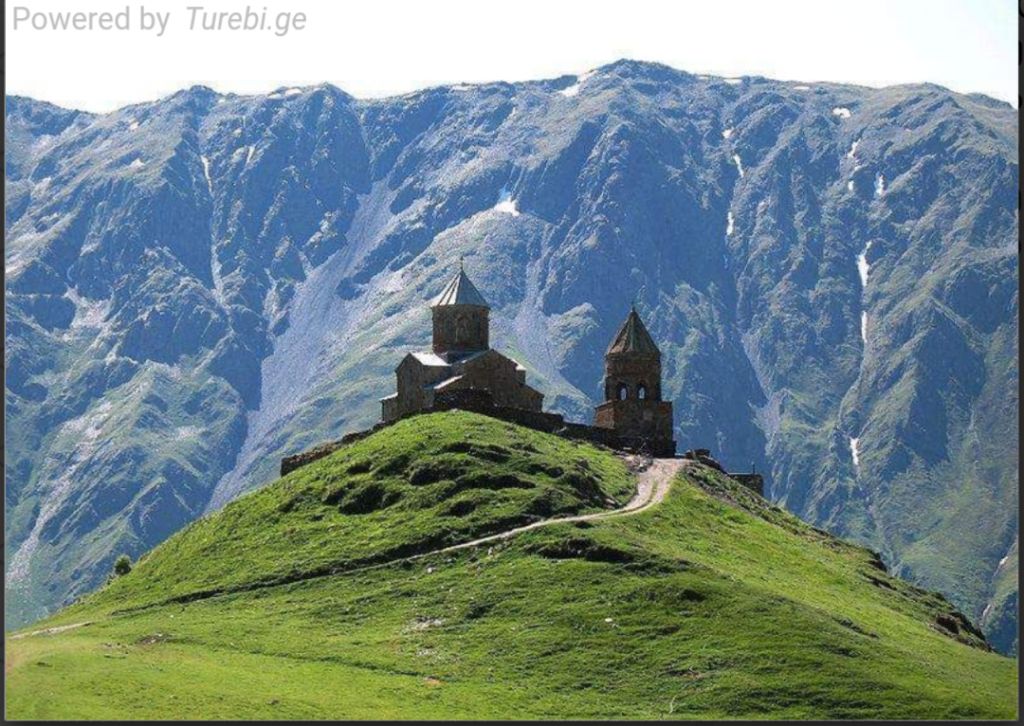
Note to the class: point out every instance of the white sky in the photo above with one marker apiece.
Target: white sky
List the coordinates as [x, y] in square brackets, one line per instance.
[383, 47]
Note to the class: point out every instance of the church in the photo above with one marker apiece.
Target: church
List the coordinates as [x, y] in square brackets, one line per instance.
[632, 386]
[461, 365]
[460, 359]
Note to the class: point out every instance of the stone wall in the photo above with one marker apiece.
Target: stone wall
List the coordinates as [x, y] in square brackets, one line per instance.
[293, 462]
[482, 402]
[754, 482]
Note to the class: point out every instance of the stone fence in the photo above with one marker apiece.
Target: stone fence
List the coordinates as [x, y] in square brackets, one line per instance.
[480, 401]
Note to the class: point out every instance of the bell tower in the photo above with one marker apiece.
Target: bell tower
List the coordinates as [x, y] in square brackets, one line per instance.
[632, 391]
[461, 318]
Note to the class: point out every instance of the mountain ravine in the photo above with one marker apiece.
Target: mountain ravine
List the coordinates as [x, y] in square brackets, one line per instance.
[203, 284]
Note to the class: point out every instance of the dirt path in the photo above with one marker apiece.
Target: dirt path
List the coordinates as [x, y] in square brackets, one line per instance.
[50, 631]
[653, 481]
[652, 484]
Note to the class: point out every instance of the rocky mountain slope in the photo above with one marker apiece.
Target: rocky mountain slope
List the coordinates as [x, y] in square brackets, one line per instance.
[200, 285]
[710, 604]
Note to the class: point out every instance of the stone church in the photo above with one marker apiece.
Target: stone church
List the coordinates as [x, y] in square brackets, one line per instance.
[463, 367]
[461, 359]
[632, 387]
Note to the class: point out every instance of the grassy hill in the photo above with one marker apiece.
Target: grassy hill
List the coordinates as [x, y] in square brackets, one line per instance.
[295, 602]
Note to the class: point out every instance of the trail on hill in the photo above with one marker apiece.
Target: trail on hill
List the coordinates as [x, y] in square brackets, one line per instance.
[652, 484]
[653, 481]
[51, 631]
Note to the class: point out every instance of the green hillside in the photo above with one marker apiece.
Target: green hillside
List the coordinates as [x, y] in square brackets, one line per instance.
[299, 601]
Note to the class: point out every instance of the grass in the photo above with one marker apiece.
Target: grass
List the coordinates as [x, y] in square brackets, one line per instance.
[426, 482]
[711, 605]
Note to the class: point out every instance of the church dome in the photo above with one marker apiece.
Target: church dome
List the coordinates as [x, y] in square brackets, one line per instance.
[633, 338]
[460, 291]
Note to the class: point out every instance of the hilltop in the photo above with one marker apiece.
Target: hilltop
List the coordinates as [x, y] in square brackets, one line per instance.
[316, 597]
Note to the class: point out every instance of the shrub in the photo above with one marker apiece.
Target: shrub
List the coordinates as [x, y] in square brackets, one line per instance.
[122, 566]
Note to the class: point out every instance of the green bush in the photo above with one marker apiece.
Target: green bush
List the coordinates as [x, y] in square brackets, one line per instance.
[122, 566]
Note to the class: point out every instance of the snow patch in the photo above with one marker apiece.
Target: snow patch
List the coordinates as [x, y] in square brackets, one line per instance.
[739, 164]
[879, 185]
[727, 133]
[864, 327]
[863, 267]
[574, 89]
[277, 95]
[850, 186]
[215, 273]
[186, 432]
[1003, 561]
[137, 164]
[506, 204]
[841, 112]
[855, 452]
[249, 154]
[133, 124]
[801, 88]
[206, 173]
[733, 81]
[852, 153]
[728, 224]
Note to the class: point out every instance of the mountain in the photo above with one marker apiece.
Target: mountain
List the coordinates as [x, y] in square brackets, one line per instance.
[711, 603]
[201, 285]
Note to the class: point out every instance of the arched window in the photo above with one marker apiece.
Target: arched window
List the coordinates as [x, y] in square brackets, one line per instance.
[622, 392]
[641, 392]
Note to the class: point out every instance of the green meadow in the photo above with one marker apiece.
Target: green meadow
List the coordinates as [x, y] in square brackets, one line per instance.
[300, 601]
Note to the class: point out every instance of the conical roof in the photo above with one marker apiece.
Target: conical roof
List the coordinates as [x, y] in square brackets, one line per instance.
[460, 291]
[633, 337]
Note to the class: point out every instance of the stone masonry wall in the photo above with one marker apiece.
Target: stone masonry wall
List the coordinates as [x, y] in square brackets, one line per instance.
[481, 401]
